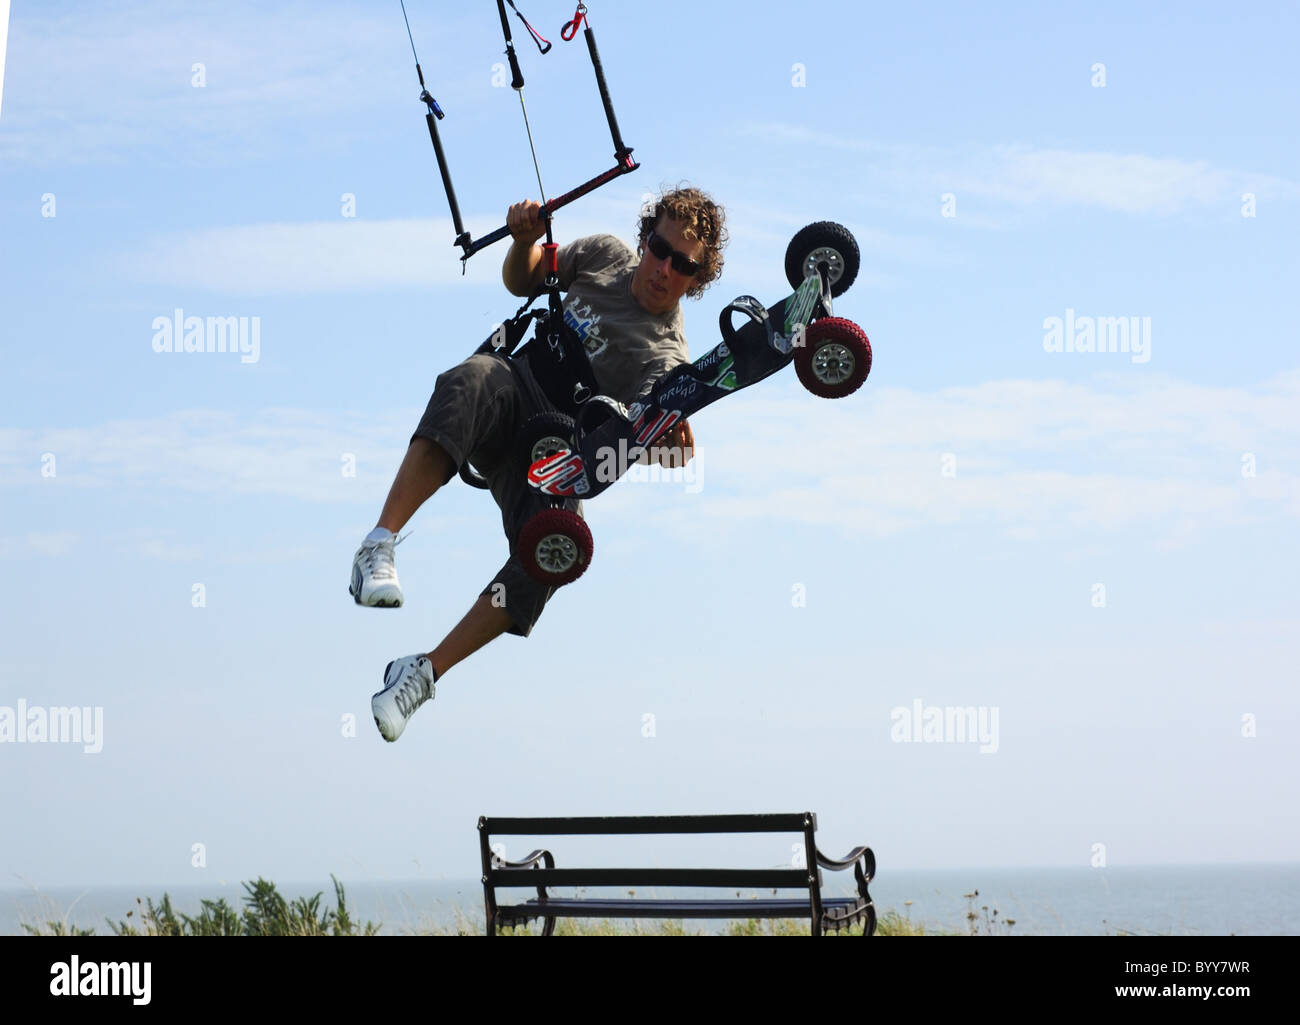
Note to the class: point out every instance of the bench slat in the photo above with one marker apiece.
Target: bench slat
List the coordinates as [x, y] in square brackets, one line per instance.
[616, 908]
[761, 879]
[629, 824]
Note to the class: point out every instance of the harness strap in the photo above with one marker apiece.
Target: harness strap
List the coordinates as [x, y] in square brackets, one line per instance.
[561, 367]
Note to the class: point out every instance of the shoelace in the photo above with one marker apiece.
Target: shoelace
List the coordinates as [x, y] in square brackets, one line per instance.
[378, 558]
[413, 691]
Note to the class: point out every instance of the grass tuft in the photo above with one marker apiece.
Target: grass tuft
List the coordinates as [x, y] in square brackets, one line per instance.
[266, 913]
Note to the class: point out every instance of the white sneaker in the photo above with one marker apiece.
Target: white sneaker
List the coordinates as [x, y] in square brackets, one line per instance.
[374, 577]
[408, 683]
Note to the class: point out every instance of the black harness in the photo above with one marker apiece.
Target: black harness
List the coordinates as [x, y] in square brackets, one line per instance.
[555, 355]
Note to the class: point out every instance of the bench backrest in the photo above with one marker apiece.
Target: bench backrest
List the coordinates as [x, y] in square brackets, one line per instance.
[798, 822]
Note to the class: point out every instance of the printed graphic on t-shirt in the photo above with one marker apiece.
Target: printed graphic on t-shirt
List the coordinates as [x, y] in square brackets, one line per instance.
[579, 316]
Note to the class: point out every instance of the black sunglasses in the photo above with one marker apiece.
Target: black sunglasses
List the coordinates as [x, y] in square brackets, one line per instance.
[662, 250]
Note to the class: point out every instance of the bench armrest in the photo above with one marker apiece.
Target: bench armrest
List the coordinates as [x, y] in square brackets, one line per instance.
[863, 862]
[848, 860]
[531, 861]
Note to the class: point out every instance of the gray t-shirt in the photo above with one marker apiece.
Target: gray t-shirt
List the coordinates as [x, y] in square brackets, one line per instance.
[629, 348]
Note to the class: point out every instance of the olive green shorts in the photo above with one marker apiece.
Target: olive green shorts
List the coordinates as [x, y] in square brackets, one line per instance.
[475, 414]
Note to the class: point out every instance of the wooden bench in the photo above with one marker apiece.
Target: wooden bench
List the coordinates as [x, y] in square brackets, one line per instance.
[538, 870]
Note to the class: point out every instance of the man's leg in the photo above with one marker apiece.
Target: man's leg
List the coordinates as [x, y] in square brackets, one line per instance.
[484, 622]
[513, 601]
[425, 468]
[472, 404]
[409, 682]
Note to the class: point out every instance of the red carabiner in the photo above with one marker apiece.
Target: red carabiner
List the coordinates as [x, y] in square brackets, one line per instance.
[571, 27]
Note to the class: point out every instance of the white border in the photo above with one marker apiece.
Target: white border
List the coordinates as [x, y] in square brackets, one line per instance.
[4, 46]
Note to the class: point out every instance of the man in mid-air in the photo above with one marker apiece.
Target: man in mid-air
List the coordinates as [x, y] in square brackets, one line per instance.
[624, 306]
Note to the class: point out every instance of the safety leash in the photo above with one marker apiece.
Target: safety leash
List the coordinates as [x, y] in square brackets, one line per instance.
[538, 38]
[517, 81]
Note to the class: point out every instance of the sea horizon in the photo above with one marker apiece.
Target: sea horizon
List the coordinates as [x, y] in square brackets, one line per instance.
[1241, 898]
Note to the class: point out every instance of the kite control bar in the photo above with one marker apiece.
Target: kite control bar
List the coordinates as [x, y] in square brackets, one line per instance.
[550, 207]
[623, 162]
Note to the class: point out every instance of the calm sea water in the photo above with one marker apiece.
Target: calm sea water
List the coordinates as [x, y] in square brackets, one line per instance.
[1180, 900]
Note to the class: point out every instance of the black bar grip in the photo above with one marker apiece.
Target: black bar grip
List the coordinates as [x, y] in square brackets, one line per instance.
[516, 82]
[487, 240]
[446, 174]
[620, 150]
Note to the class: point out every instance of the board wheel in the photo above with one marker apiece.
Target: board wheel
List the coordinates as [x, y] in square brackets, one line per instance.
[834, 359]
[823, 241]
[542, 435]
[555, 547]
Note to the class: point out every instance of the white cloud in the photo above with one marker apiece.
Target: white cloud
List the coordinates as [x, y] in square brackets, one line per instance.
[1128, 183]
[347, 255]
[1025, 176]
[45, 545]
[277, 452]
[163, 544]
[327, 256]
[1033, 458]
[160, 544]
[112, 78]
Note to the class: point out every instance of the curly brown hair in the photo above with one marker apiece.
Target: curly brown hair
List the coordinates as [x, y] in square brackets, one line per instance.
[701, 220]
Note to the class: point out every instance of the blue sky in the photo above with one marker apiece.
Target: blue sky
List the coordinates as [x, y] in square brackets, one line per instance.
[947, 526]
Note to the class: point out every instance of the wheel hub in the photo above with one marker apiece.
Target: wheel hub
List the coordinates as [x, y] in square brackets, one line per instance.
[556, 553]
[548, 446]
[824, 254]
[833, 363]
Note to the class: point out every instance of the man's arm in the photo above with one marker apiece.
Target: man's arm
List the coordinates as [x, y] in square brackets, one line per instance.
[524, 268]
